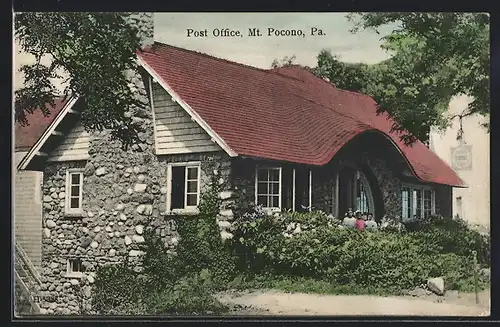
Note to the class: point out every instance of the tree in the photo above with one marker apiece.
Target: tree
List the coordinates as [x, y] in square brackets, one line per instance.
[92, 51]
[434, 56]
[285, 62]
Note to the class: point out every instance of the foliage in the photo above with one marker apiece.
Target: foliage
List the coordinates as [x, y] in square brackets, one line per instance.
[379, 259]
[191, 295]
[285, 62]
[174, 284]
[93, 50]
[434, 56]
[302, 284]
[201, 246]
[117, 288]
[447, 235]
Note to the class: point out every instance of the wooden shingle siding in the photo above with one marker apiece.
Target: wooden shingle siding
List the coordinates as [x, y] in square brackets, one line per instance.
[28, 213]
[74, 146]
[175, 131]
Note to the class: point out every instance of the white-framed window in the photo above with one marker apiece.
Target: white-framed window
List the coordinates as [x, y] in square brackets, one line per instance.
[362, 194]
[459, 208]
[268, 187]
[74, 191]
[352, 191]
[74, 268]
[183, 186]
[417, 201]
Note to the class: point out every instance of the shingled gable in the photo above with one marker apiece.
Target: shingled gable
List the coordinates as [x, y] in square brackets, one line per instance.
[41, 129]
[26, 136]
[285, 114]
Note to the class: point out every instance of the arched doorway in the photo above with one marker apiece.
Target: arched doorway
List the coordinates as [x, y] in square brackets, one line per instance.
[354, 192]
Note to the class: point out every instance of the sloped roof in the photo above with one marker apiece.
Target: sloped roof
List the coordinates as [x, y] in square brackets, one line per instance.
[281, 114]
[26, 136]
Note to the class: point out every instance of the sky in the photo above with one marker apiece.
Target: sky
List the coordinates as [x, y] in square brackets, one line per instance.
[171, 28]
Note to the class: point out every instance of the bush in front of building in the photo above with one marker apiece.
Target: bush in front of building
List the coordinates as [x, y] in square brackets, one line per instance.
[180, 283]
[310, 245]
[447, 235]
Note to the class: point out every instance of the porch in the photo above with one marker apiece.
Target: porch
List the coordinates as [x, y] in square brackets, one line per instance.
[367, 174]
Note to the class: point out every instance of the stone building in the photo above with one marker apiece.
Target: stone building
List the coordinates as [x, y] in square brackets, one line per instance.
[282, 139]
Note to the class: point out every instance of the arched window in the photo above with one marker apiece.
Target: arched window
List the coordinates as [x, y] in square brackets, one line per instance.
[352, 191]
[362, 190]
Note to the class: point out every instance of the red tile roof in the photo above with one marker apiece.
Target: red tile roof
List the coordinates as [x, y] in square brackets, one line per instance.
[282, 114]
[26, 136]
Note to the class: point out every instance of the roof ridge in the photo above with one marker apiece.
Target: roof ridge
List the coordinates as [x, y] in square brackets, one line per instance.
[210, 56]
[268, 71]
[272, 71]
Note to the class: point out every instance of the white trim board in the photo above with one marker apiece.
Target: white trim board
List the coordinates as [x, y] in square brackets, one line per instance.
[168, 198]
[47, 133]
[194, 116]
[151, 102]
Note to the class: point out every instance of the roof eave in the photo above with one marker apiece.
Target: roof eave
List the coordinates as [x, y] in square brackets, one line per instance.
[192, 113]
[35, 149]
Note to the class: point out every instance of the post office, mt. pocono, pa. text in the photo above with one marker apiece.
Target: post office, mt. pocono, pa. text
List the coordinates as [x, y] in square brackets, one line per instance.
[254, 32]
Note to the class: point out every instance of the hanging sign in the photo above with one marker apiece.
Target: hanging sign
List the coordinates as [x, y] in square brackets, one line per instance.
[461, 157]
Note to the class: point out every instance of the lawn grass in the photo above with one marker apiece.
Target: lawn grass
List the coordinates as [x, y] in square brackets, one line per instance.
[313, 286]
[305, 285]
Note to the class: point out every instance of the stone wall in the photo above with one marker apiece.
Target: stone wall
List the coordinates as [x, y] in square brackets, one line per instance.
[384, 183]
[144, 22]
[62, 238]
[124, 194]
[213, 166]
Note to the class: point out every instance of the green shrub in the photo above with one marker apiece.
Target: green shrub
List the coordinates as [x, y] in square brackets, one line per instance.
[307, 220]
[380, 259]
[256, 242]
[179, 283]
[454, 236]
[189, 296]
[117, 288]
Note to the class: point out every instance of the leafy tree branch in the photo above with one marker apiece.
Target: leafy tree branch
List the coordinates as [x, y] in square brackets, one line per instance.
[93, 51]
[434, 56]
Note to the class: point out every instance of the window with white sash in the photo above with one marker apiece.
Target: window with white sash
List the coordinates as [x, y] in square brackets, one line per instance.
[268, 187]
[74, 268]
[417, 201]
[183, 186]
[74, 192]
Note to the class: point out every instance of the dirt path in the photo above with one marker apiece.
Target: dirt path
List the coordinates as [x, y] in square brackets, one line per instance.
[280, 303]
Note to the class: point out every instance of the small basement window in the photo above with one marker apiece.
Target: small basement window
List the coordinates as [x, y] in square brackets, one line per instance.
[74, 267]
[74, 192]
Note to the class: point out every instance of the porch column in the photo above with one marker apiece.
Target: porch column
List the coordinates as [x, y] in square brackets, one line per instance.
[336, 200]
[310, 189]
[293, 189]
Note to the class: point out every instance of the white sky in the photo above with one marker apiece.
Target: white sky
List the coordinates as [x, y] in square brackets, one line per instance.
[171, 28]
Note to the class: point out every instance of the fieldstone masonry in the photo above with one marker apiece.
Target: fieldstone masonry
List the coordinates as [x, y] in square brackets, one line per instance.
[388, 183]
[124, 193]
[122, 197]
